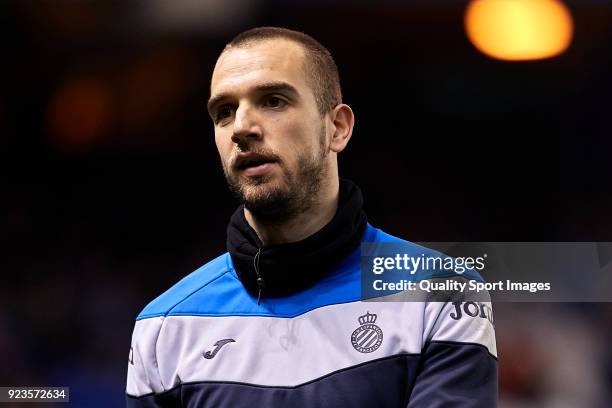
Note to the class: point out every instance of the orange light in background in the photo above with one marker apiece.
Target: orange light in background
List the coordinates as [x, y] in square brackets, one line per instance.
[78, 113]
[519, 30]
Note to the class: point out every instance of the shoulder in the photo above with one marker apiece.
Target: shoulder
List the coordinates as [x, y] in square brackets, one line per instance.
[202, 279]
[373, 234]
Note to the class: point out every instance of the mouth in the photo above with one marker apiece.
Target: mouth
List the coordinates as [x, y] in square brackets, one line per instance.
[253, 164]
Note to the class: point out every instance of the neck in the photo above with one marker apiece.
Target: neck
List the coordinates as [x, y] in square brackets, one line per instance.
[303, 224]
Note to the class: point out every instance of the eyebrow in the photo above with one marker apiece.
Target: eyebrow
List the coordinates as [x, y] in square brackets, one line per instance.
[282, 87]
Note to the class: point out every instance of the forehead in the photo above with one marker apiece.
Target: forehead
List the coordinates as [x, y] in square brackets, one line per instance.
[275, 60]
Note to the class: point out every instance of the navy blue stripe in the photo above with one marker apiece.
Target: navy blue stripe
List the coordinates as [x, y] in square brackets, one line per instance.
[455, 375]
[168, 399]
[462, 343]
[379, 383]
[445, 374]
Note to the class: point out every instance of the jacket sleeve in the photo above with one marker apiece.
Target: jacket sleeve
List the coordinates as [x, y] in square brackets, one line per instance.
[459, 359]
[144, 385]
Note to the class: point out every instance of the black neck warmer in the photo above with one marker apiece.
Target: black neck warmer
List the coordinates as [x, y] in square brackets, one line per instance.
[280, 270]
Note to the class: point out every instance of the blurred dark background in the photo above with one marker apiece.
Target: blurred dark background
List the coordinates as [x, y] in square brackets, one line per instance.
[112, 189]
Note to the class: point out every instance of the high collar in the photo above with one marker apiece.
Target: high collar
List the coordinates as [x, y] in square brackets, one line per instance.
[283, 269]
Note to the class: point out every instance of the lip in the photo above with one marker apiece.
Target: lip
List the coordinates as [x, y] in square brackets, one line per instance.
[254, 171]
[258, 170]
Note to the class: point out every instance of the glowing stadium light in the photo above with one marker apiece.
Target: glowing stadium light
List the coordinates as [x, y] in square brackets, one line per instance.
[518, 30]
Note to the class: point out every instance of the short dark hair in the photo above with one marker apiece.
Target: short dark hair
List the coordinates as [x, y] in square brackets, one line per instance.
[320, 65]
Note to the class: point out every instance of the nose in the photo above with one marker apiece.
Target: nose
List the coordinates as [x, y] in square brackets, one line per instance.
[246, 125]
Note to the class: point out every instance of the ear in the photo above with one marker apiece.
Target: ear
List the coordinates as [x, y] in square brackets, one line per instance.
[343, 121]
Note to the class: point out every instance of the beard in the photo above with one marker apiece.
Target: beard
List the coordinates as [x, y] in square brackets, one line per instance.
[276, 202]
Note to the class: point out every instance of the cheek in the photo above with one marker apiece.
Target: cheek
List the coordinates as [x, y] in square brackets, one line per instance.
[224, 146]
[296, 137]
[288, 142]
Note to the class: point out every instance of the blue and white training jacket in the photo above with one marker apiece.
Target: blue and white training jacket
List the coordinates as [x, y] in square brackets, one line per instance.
[207, 343]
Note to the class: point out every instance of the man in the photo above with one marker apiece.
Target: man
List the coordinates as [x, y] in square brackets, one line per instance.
[278, 320]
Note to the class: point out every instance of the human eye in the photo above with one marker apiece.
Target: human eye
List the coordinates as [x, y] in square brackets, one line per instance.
[274, 101]
[223, 112]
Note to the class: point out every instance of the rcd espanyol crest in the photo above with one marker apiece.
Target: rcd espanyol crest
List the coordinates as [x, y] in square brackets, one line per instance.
[368, 336]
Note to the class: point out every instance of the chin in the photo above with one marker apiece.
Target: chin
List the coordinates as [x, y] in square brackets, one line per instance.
[270, 199]
[263, 188]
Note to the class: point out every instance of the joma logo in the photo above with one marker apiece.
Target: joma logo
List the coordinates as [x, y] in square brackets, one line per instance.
[211, 354]
[472, 309]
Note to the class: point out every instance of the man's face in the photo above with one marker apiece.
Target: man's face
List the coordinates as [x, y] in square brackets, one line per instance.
[270, 135]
